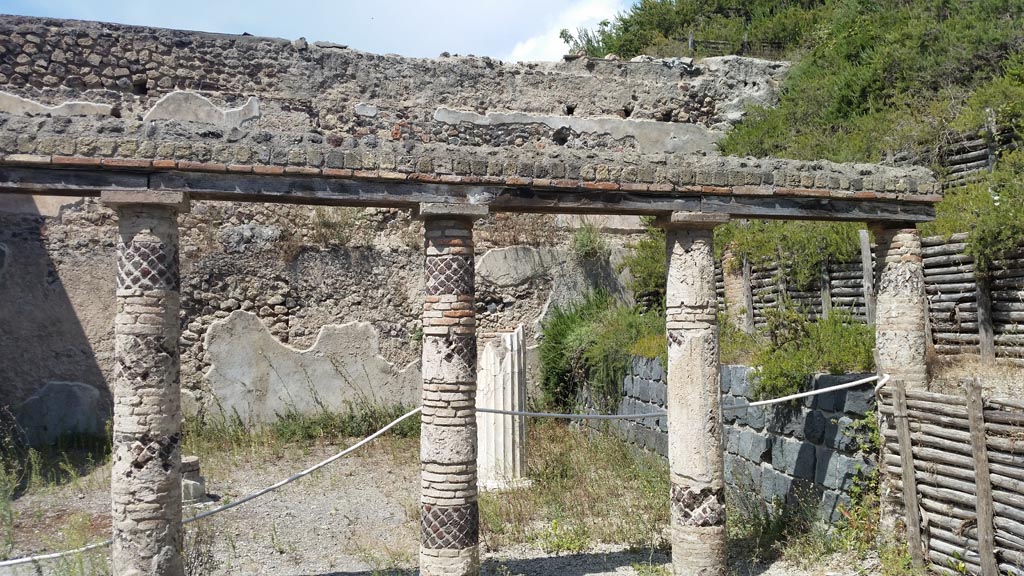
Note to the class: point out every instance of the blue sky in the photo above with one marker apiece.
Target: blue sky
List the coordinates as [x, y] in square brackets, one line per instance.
[505, 29]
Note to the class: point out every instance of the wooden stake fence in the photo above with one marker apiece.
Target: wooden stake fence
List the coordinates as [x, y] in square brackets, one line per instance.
[961, 460]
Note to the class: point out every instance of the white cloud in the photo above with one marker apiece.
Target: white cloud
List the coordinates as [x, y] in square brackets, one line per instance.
[547, 46]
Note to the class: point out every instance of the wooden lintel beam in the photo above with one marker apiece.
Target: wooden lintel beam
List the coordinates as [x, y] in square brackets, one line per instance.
[408, 194]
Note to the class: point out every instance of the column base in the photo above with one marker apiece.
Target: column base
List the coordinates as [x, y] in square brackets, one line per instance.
[699, 551]
[449, 562]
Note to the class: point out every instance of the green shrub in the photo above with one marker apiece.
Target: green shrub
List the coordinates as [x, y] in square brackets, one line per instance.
[591, 343]
[734, 345]
[559, 356]
[799, 348]
[587, 242]
[647, 263]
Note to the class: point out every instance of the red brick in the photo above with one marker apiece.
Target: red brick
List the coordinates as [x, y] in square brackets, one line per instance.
[202, 166]
[600, 185]
[716, 190]
[268, 170]
[369, 174]
[392, 175]
[302, 170]
[665, 188]
[635, 187]
[26, 159]
[126, 163]
[518, 181]
[75, 161]
[165, 164]
[451, 179]
[240, 168]
[337, 172]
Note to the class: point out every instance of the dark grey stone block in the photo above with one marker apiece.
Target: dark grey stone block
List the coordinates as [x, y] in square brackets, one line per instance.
[839, 471]
[814, 426]
[663, 424]
[729, 413]
[628, 386]
[793, 457]
[860, 400]
[753, 445]
[774, 485]
[741, 382]
[657, 370]
[832, 505]
[725, 378]
[661, 445]
[786, 420]
[732, 468]
[732, 439]
[659, 394]
[839, 434]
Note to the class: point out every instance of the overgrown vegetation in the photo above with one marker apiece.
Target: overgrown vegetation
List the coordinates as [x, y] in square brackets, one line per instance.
[879, 81]
[586, 489]
[797, 348]
[801, 249]
[587, 346]
[587, 242]
[204, 436]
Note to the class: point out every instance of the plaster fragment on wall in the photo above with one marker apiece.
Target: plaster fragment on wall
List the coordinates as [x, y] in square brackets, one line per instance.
[13, 104]
[192, 107]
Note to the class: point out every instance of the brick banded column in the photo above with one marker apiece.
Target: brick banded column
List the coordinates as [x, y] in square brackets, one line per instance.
[449, 518]
[694, 397]
[146, 477]
[900, 325]
[900, 306]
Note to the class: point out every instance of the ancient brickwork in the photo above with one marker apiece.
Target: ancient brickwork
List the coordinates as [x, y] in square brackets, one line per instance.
[449, 513]
[269, 106]
[901, 306]
[146, 474]
[695, 420]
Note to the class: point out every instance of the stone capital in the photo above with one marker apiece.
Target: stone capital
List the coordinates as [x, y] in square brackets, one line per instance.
[175, 200]
[691, 220]
[438, 211]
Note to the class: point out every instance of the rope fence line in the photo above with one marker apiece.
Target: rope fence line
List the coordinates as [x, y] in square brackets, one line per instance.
[228, 506]
[53, 556]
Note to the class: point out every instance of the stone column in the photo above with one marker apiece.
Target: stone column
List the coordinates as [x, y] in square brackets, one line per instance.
[900, 306]
[449, 518]
[146, 476]
[501, 385]
[694, 397]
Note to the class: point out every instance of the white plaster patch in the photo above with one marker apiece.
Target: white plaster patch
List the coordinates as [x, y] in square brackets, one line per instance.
[192, 107]
[12, 104]
[256, 377]
[651, 136]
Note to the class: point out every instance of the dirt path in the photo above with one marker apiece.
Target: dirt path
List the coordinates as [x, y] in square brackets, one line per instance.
[357, 517]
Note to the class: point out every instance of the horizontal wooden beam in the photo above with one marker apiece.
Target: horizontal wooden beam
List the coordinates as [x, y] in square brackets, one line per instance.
[409, 194]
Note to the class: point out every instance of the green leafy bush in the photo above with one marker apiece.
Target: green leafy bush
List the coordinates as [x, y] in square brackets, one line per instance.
[799, 348]
[587, 242]
[647, 261]
[591, 343]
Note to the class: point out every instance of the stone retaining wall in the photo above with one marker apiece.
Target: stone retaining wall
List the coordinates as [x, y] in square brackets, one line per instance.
[806, 452]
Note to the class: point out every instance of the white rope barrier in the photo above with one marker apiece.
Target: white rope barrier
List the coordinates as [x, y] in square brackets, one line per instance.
[881, 382]
[229, 505]
[853, 384]
[572, 416]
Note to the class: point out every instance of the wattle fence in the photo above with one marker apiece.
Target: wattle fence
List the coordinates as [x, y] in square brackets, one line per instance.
[966, 314]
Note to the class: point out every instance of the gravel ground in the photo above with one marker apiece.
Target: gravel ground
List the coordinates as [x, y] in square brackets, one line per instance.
[357, 517]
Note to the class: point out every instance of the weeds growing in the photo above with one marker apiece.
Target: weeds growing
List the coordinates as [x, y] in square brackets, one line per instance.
[587, 488]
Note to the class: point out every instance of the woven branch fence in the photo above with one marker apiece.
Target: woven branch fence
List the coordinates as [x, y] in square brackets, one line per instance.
[961, 460]
[966, 314]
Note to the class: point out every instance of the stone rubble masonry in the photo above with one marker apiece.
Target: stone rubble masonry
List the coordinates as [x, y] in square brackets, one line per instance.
[695, 427]
[448, 445]
[146, 473]
[270, 107]
[783, 453]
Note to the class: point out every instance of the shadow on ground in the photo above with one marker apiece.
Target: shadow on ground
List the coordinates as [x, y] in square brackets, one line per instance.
[567, 565]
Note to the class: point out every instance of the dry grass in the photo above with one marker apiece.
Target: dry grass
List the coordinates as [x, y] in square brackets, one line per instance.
[999, 379]
[586, 488]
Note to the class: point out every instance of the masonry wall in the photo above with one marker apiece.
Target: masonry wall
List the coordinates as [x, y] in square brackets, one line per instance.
[806, 452]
